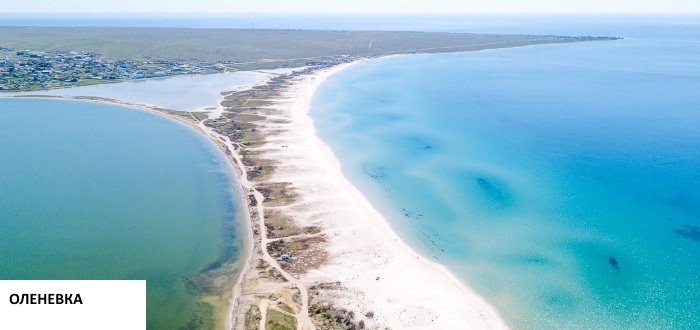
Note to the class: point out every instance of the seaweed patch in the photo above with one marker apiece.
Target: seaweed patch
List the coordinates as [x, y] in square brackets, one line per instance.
[690, 232]
[493, 192]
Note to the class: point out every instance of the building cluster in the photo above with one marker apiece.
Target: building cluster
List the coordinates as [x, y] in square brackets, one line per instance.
[30, 70]
[325, 63]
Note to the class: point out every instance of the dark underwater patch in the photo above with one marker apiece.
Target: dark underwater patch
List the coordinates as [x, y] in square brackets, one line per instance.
[536, 260]
[377, 173]
[560, 300]
[492, 191]
[690, 232]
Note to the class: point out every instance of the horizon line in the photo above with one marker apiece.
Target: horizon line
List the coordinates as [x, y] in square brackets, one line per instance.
[356, 13]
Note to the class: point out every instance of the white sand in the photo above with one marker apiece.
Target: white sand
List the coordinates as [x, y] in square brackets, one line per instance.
[412, 291]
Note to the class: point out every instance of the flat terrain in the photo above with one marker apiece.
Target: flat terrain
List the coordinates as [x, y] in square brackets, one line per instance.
[247, 48]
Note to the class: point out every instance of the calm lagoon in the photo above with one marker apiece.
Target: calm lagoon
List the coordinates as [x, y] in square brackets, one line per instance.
[96, 191]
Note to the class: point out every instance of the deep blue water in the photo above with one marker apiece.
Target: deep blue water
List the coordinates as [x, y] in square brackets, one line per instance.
[561, 182]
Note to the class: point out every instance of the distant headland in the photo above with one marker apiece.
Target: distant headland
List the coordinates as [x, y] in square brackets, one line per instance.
[35, 58]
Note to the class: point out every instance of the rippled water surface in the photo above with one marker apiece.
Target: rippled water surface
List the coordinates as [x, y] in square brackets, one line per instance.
[561, 182]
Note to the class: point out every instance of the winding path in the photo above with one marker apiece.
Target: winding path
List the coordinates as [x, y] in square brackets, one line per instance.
[303, 319]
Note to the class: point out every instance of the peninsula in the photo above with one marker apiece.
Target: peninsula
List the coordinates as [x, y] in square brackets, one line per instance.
[320, 255]
[35, 58]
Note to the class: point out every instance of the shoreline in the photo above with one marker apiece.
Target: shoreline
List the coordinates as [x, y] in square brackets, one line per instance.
[346, 258]
[360, 255]
[492, 319]
[362, 287]
[246, 234]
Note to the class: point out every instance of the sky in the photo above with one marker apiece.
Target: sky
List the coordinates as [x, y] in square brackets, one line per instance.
[347, 6]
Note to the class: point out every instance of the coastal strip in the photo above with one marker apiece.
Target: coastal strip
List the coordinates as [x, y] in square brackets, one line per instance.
[323, 257]
[344, 266]
[318, 255]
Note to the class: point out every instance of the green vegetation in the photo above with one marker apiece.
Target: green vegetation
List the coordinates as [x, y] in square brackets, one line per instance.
[244, 45]
[50, 57]
[252, 318]
[279, 321]
[326, 317]
[285, 308]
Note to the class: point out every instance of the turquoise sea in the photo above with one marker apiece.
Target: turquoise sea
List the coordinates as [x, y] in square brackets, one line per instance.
[95, 191]
[561, 182]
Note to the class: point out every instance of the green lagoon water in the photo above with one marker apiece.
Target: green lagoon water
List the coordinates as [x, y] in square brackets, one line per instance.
[94, 191]
[184, 92]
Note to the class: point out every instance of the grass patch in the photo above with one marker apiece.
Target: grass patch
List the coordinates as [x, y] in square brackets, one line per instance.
[200, 115]
[252, 318]
[279, 321]
[280, 225]
[277, 193]
[183, 115]
[284, 307]
[308, 253]
[265, 48]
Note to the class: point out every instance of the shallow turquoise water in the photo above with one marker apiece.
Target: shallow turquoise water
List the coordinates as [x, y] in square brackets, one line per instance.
[561, 182]
[93, 191]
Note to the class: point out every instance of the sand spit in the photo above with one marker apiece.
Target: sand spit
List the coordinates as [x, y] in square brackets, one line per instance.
[323, 257]
[330, 260]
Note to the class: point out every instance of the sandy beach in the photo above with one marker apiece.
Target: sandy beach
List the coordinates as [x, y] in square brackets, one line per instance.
[349, 262]
[315, 253]
[353, 261]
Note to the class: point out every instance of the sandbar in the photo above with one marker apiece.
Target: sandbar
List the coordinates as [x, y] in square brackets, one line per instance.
[327, 249]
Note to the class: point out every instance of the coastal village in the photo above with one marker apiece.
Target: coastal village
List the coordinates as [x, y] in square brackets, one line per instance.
[22, 70]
